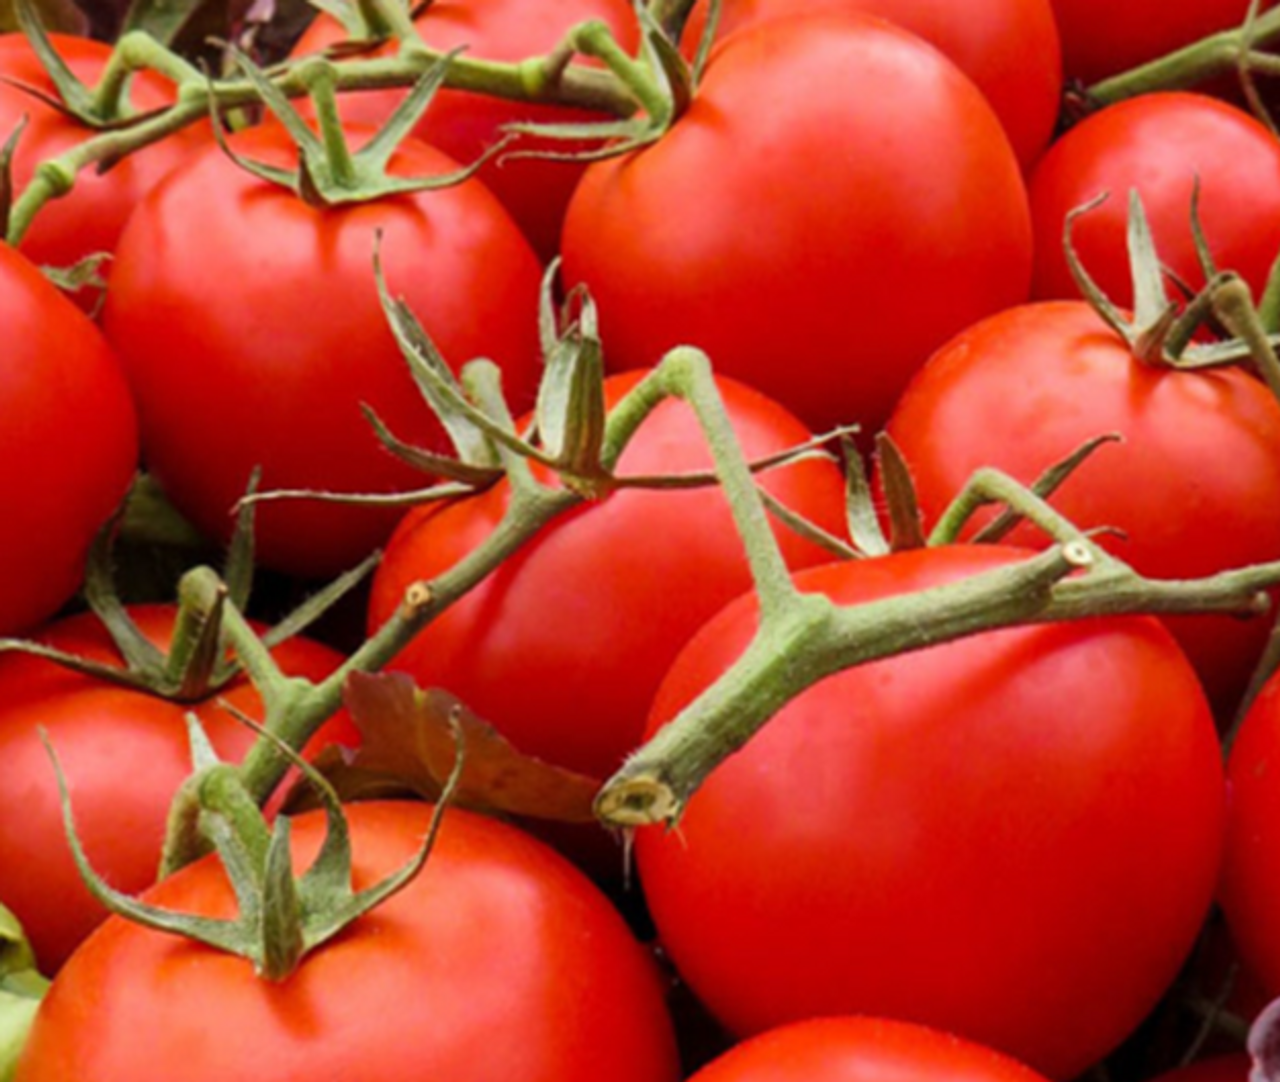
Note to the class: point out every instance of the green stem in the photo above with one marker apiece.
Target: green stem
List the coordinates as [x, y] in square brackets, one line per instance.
[595, 39]
[320, 77]
[1215, 55]
[134, 52]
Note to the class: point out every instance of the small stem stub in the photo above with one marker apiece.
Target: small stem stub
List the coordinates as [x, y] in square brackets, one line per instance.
[637, 802]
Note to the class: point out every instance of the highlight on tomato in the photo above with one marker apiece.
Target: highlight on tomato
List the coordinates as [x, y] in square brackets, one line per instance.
[498, 961]
[838, 200]
[987, 837]
[68, 445]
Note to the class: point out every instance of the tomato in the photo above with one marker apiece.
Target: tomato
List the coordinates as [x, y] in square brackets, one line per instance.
[262, 350]
[838, 200]
[1009, 48]
[69, 446]
[1158, 145]
[499, 961]
[1100, 38]
[861, 1050]
[465, 125]
[564, 645]
[89, 219]
[1193, 486]
[124, 752]
[1250, 882]
[988, 837]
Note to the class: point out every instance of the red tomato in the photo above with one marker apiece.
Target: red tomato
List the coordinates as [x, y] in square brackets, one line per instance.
[564, 645]
[125, 753]
[1009, 48]
[1158, 144]
[862, 1050]
[90, 218]
[838, 200]
[1101, 37]
[1251, 873]
[464, 125]
[68, 446]
[261, 350]
[500, 961]
[1193, 487]
[989, 836]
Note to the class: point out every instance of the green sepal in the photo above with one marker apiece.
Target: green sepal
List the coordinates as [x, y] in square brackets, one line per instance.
[444, 466]
[665, 60]
[802, 527]
[237, 567]
[1043, 487]
[708, 39]
[861, 519]
[7, 152]
[906, 528]
[72, 95]
[21, 989]
[570, 409]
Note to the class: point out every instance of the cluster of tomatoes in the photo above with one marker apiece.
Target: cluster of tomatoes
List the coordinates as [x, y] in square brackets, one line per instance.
[991, 859]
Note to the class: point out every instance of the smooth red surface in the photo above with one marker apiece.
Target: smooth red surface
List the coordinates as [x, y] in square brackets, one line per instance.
[1194, 485]
[499, 961]
[988, 837]
[837, 202]
[251, 332]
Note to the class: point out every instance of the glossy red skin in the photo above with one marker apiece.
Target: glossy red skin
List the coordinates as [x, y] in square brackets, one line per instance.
[1231, 1067]
[1250, 878]
[861, 1049]
[1193, 487]
[500, 961]
[836, 203]
[251, 332]
[125, 753]
[1101, 38]
[971, 837]
[465, 125]
[90, 218]
[563, 647]
[1158, 144]
[1009, 48]
[68, 447]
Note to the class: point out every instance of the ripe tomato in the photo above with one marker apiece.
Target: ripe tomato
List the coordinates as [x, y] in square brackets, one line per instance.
[861, 1050]
[125, 753]
[838, 200]
[1193, 487]
[1101, 38]
[1009, 48]
[989, 836]
[261, 351]
[1158, 145]
[1250, 878]
[90, 218]
[1230, 1067]
[564, 645]
[465, 125]
[68, 446]
[499, 961]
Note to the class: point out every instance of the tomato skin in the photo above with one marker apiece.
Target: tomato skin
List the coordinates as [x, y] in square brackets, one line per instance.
[1100, 38]
[1193, 486]
[1250, 882]
[125, 753]
[855, 265]
[89, 219]
[860, 1049]
[563, 646]
[262, 350]
[499, 961]
[69, 449]
[1158, 144]
[967, 837]
[465, 125]
[1009, 48]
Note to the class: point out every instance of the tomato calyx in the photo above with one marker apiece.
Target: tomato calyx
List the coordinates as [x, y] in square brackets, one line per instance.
[1161, 331]
[22, 987]
[281, 916]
